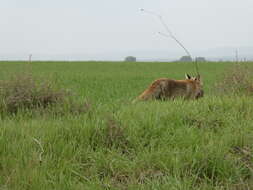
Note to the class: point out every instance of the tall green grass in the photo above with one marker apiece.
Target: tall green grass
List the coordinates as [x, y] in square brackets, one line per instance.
[204, 144]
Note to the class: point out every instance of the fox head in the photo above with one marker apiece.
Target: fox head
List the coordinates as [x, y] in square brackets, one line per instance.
[197, 82]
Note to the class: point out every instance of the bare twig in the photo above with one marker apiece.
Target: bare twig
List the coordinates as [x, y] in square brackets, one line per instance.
[30, 58]
[173, 37]
[236, 56]
[41, 148]
[170, 35]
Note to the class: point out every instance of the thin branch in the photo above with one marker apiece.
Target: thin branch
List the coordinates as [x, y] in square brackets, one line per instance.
[30, 58]
[41, 148]
[236, 56]
[170, 35]
[173, 37]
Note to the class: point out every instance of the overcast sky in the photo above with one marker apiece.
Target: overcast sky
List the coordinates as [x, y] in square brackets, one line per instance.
[106, 27]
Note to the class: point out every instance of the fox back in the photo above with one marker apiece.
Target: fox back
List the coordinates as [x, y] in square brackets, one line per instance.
[164, 88]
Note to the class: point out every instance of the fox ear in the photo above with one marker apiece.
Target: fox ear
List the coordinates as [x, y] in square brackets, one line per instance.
[187, 76]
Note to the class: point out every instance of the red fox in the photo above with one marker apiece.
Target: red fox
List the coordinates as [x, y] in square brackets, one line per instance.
[164, 88]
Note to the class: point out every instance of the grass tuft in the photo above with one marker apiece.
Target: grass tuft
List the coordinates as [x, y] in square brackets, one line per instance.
[25, 92]
[237, 80]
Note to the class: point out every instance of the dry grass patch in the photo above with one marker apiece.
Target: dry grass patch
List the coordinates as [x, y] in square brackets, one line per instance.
[26, 92]
[236, 80]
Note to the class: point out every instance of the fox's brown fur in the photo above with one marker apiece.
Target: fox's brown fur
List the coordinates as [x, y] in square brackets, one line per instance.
[164, 88]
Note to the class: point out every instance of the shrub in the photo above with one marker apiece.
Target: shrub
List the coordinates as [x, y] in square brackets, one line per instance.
[236, 80]
[26, 92]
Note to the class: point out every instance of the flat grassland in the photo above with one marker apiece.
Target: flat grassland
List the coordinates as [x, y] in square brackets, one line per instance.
[198, 145]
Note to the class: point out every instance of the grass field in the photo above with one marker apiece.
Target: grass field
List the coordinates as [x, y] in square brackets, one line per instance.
[186, 145]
